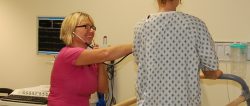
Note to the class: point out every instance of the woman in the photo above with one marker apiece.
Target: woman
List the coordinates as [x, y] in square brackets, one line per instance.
[78, 72]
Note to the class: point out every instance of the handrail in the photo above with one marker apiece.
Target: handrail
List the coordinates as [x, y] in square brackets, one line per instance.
[237, 101]
[127, 102]
[245, 96]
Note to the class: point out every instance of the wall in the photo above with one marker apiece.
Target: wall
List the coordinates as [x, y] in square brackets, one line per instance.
[227, 20]
[220, 92]
[20, 66]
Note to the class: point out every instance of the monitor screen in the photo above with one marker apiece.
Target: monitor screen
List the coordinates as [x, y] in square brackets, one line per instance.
[48, 35]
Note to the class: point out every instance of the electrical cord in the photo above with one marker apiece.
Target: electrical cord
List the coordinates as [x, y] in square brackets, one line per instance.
[112, 64]
[228, 95]
[111, 99]
[111, 70]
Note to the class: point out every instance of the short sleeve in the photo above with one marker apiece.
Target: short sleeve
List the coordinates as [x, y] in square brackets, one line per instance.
[138, 32]
[205, 47]
[71, 54]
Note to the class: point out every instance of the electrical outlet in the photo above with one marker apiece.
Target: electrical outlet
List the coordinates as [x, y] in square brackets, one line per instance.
[227, 51]
[223, 50]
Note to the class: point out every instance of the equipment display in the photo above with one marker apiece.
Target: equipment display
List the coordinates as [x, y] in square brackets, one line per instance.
[48, 35]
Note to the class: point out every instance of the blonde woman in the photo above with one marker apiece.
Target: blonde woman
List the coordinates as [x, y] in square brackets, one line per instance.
[78, 72]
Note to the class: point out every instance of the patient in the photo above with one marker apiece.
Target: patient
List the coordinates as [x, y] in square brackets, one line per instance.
[78, 71]
[171, 48]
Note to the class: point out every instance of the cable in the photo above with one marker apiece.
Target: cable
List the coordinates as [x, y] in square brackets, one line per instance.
[228, 95]
[89, 46]
[107, 63]
[111, 73]
[111, 64]
[111, 70]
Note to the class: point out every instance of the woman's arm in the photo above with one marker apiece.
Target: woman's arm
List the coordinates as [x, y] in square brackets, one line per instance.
[102, 79]
[103, 54]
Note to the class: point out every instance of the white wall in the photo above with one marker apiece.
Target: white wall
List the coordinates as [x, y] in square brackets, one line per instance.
[20, 66]
[227, 20]
[220, 92]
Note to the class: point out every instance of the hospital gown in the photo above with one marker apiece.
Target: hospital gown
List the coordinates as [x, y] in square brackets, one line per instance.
[170, 48]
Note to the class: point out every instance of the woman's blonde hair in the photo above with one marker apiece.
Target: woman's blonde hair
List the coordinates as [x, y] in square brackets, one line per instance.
[69, 24]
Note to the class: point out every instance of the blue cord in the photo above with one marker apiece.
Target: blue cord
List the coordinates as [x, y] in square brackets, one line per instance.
[101, 100]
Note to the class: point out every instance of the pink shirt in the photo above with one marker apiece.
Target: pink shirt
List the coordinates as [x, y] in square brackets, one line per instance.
[71, 85]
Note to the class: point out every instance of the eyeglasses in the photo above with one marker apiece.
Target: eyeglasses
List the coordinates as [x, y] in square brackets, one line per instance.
[88, 26]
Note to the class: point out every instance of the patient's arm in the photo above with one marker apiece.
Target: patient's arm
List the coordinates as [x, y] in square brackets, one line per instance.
[202, 76]
[211, 74]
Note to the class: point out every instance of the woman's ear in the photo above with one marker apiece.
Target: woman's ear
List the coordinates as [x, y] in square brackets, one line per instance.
[73, 34]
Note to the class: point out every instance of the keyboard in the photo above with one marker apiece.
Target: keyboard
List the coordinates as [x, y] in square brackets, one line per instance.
[25, 99]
